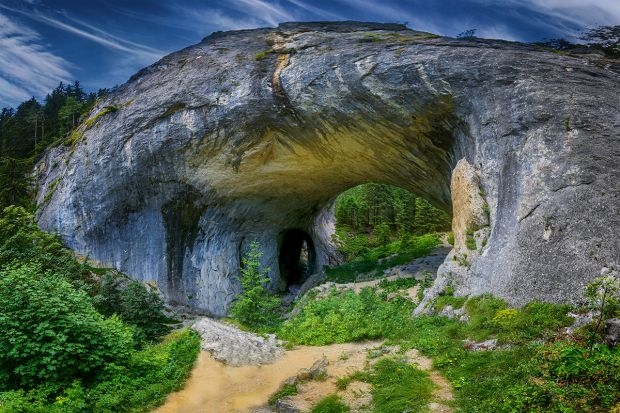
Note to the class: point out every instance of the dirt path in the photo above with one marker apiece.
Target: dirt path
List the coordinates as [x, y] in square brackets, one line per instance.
[215, 387]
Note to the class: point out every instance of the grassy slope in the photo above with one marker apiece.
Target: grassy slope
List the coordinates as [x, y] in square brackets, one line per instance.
[535, 368]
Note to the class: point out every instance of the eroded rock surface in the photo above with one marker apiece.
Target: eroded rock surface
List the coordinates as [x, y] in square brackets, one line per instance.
[235, 347]
[250, 134]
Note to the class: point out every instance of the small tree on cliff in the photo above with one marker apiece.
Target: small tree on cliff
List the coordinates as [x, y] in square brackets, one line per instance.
[254, 306]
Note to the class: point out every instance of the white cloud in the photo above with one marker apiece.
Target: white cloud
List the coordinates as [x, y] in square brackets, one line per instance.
[317, 10]
[264, 11]
[27, 68]
[566, 17]
[588, 12]
[91, 32]
[498, 31]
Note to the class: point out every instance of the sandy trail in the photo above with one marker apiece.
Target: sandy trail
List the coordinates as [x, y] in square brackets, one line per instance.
[217, 388]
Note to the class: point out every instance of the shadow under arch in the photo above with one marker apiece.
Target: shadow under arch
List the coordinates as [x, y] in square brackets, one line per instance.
[297, 257]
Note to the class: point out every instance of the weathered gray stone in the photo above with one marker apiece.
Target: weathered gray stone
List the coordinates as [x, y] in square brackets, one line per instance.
[612, 331]
[219, 145]
[235, 347]
[315, 372]
[286, 405]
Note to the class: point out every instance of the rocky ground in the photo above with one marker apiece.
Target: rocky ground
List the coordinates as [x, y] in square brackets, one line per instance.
[320, 380]
[314, 371]
[235, 347]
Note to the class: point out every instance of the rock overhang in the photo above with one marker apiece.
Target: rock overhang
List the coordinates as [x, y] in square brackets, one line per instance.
[250, 133]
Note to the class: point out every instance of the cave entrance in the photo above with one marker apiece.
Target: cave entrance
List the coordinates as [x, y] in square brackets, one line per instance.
[297, 257]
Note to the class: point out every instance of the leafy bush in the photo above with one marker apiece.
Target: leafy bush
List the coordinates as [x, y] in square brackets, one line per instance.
[63, 354]
[49, 332]
[135, 304]
[21, 241]
[347, 316]
[331, 404]
[138, 386]
[254, 306]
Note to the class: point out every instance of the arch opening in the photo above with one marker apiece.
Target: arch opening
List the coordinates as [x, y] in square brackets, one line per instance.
[297, 258]
[372, 206]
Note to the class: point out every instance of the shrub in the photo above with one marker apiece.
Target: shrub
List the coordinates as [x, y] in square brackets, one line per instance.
[254, 306]
[135, 304]
[347, 316]
[51, 332]
[21, 241]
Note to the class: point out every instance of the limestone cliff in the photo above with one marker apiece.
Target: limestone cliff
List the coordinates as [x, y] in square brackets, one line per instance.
[251, 134]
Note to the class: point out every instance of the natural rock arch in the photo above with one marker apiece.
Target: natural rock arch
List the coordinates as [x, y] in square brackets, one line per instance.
[250, 133]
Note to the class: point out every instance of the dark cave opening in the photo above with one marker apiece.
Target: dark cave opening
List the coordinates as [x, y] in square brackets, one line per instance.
[297, 258]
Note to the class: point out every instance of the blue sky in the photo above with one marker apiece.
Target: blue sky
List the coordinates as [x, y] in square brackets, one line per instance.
[103, 42]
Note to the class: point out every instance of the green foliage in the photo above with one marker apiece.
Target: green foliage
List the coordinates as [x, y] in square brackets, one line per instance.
[397, 284]
[55, 343]
[139, 385]
[536, 371]
[14, 181]
[382, 234]
[451, 238]
[21, 241]
[331, 404]
[430, 219]
[254, 306]
[49, 332]
[375, 260]
[286, 390]
[347, 316]
[90, 122]
[262, 55]
[470, 241]
[30, 129]
[603, 295]
[364, 207]
[135, 304]
[399, 387]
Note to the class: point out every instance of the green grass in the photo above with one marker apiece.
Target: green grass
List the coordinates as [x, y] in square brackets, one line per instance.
[470, 241]
[347, 316]
[331, 404]
[399, 387]
[376, 260]
[397, 284]
[534, 369]
[262, 55]
[286, 390]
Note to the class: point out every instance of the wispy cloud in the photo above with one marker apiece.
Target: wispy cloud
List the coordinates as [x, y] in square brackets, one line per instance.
[27, 68]
[89, 32]
[317, 11]
[263, 11]
[246, 14]
[567, 18]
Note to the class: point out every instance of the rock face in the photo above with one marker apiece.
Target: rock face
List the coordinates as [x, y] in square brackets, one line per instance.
[235, 347]
[250, 135]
